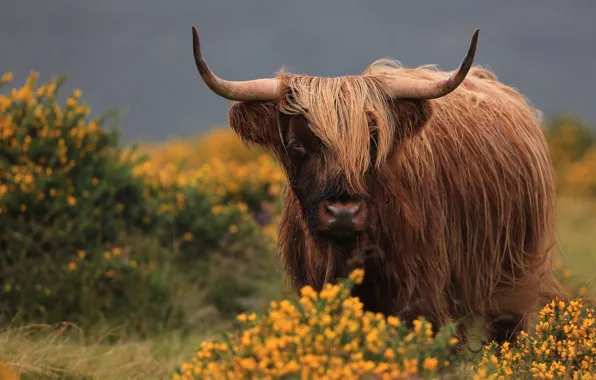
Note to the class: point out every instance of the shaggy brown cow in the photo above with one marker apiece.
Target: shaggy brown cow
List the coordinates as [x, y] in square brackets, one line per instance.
[440, 186]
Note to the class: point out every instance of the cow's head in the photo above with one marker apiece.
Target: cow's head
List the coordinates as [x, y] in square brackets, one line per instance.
[331, 135]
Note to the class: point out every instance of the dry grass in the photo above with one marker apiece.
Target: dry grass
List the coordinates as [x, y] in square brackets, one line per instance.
[62, 352]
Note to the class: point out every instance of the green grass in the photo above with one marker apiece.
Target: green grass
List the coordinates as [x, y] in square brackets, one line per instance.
[577, 236]
[47, 352]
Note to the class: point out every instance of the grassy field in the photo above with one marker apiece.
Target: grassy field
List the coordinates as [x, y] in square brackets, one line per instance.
[577, 236]
[46, 352]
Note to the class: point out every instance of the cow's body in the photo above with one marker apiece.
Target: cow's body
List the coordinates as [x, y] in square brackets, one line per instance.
[463, 215]
[448, 201]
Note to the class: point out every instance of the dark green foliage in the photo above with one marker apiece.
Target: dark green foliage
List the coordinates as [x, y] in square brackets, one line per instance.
[85, 238]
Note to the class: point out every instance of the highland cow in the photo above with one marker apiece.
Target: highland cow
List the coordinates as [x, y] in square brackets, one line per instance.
[439, 186]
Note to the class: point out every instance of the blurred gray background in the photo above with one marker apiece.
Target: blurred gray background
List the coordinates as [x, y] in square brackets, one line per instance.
[138, 54]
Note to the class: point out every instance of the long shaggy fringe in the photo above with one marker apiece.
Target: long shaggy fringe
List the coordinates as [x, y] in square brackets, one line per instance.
[339, 111]
[463, 206]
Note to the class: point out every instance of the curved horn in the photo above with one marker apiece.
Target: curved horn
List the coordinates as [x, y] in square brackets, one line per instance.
[416, 89]
[258, 89]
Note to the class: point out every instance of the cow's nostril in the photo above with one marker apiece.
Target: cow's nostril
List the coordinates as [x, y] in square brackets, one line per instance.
[336, 211]
[333, 211]
[354, 209]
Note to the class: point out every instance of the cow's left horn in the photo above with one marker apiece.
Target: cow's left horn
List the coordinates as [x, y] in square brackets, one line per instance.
[416, 89]
[258, 89]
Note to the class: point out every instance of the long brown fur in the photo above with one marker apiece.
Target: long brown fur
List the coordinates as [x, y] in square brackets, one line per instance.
[460, 188]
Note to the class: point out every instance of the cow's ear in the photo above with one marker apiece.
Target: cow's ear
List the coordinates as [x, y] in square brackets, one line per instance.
[410, 117]
[255, 123]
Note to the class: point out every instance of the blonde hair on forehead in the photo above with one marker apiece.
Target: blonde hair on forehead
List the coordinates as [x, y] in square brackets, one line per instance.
[338, 111]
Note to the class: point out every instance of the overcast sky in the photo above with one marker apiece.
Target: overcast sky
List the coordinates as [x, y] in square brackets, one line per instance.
[138, 54]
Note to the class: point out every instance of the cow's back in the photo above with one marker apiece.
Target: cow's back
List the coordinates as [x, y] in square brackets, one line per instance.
[480, 173]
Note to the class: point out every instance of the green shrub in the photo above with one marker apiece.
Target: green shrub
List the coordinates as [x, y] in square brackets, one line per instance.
[69, 206]
[92, 232]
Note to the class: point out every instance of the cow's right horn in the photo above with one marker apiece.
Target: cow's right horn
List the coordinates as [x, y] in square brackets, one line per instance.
[258, 89]
[416, 89]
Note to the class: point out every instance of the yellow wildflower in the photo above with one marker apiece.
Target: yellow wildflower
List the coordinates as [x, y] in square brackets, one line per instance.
[71, 200]
[430, 364]
[357, 276]
[323, 335]
[6, 77]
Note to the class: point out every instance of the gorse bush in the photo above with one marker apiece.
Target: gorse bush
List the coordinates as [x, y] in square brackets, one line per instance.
[572, 147]
[324, 335]
[91, 231]
[190, 154]
[221, 205]
[254, 185]
[568, 139]
[328, 335]
[66, 202]
[581, 174]
[563, 346]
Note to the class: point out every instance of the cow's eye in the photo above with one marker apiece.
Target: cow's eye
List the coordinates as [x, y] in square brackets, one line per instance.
[374, 142]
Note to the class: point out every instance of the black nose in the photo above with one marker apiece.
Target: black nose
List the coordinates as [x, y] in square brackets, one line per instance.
[341, 216]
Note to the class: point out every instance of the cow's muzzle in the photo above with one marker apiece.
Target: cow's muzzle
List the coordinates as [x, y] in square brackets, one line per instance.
[342, 219]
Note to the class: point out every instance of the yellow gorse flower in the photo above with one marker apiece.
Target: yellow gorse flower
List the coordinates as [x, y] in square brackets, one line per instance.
[563, 346]
[59, 131]
[323, 334]
[6, 77]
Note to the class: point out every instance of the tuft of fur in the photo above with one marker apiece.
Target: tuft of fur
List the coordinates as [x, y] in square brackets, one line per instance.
[339, 111]
[462, 196]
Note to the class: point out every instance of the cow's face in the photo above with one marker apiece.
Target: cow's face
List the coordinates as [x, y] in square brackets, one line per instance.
[333, 138]
[333, 207]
